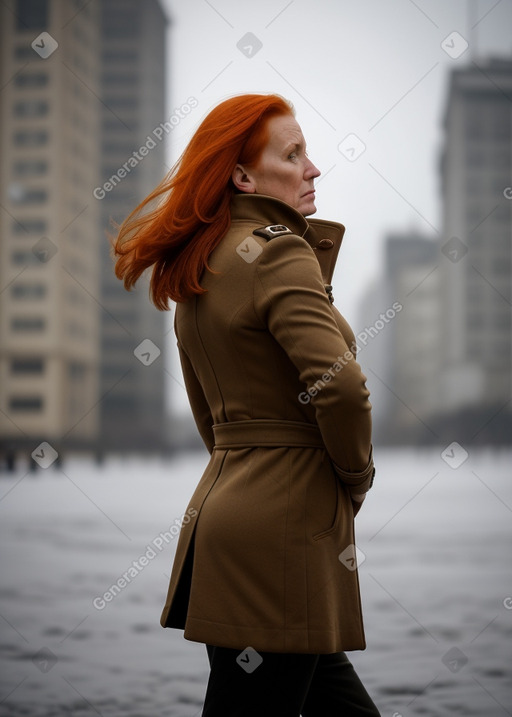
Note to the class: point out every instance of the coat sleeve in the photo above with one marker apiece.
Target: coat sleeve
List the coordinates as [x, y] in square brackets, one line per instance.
[198, 404]
[290, 298]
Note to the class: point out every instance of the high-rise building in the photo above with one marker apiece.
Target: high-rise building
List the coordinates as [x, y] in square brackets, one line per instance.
[83, 88]
[476, 169]
[398, 339]
[49, 251]
[132, 87]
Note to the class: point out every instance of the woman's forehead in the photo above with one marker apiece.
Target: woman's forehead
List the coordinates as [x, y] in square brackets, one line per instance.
[285, 129]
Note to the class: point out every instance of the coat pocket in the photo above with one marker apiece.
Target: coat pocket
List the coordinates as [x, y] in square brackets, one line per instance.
[337, 514]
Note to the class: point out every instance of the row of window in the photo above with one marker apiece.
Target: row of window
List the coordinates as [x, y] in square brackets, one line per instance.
[492, 183]
[31, 108]
[30, 167]
[485, 118]
[110, 56]
[483, 155]
[494, 267]
[35, 366]
[32, 15]
[37, 324]
[29, 365]
[19, 194]
[24, 258]
[476, 215]
[28, 291]
[19, 404]
[32, 80]
[494, 295]
[123, 405]
[119, 79]
[28, 323]
[477, 321]
[31, 138]
[29, 226]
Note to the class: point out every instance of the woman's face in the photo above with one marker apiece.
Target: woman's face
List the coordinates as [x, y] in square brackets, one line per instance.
[284, 170]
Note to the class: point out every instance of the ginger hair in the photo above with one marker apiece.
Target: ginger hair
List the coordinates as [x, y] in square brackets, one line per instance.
[192, 214]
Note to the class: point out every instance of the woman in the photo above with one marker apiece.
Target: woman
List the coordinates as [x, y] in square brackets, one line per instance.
[264, 572]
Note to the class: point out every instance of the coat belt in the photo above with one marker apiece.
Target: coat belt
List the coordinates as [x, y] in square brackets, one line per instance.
[259, 432]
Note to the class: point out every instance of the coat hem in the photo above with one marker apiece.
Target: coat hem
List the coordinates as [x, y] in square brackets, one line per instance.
[262, 639]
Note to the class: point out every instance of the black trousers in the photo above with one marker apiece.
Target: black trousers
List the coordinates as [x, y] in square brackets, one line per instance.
[267, 684]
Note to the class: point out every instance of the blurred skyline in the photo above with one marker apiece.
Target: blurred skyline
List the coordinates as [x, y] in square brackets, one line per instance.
[373, 69]
[370, 85]
[82, 83]
[379, 71]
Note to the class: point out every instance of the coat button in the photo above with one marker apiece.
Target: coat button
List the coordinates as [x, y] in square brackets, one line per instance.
[325, 244]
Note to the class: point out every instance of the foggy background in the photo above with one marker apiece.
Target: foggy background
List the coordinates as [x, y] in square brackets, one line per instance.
[406, 107]
[406, 110]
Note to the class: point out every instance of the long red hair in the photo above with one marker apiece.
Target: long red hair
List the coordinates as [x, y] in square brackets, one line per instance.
[177, 237]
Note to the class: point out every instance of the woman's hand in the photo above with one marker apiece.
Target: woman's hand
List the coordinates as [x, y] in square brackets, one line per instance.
[357, 502]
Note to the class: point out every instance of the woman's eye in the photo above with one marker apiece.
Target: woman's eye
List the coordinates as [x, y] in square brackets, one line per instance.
[293, 155]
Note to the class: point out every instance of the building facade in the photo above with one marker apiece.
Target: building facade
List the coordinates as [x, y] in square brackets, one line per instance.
[476, 172]
[400, 339]
[443, 365]
[81, 360]
[49, 251]
[132, 408]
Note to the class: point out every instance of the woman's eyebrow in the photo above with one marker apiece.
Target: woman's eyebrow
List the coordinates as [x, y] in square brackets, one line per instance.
[295, 145]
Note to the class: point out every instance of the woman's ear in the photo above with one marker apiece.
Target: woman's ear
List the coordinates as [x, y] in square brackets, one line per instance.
[242, 181]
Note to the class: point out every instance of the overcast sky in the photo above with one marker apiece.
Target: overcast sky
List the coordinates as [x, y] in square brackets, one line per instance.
[370, 68]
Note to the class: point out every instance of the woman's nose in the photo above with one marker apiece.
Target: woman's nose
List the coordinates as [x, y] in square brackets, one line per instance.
[311, 171]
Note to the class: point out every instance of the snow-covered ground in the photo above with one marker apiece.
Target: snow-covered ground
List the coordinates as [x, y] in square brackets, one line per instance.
[435, 572]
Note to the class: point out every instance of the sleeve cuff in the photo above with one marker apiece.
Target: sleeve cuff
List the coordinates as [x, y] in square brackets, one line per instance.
[360, 482]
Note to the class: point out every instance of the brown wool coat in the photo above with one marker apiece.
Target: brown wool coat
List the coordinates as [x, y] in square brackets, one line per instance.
[283, 408]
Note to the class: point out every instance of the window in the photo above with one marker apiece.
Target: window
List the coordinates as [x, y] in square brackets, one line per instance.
[27, 323]
[114, 125]
[28, 291]
[31, 15]
[24, 258]
[29, 226]
[30, 167]
[119, 55]
[26, 403]
[501, 121]
[118, 79]
[120, 26]
[30, 138]
[24, 52]
[31, 108]
[475, 120]
[28, 365]
[124, 148]
[123, 103]
[123, 405]
[31, 79]
[27, 195]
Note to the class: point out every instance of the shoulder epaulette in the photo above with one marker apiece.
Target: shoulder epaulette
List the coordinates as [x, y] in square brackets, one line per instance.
[272, 231]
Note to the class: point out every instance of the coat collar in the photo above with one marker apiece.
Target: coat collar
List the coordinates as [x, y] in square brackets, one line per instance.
[324, 237]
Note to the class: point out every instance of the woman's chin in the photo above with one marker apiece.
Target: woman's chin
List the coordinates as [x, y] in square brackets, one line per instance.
[307, 208]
